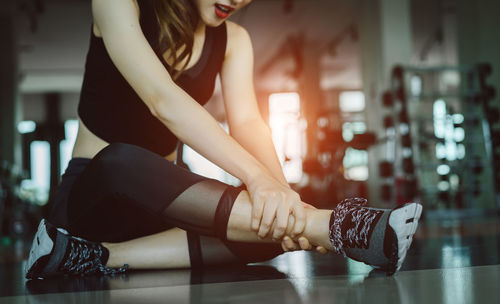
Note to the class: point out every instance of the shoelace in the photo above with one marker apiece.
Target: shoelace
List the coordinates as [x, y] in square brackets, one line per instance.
[355, 233]
[84, 258]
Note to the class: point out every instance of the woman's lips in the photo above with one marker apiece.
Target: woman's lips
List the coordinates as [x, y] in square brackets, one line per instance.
[223, 11]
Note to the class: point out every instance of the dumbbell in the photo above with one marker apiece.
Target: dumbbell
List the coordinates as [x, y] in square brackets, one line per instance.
[408, 166]
[386, 169]
[406, 140]
[388, 122]
[312, 166]
[387, 100]
[397, 71]
[363, 141]
[403, 116]
[484, 69]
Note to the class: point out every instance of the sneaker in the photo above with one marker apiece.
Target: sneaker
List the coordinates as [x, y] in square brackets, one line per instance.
[54, 252]
[377, 237]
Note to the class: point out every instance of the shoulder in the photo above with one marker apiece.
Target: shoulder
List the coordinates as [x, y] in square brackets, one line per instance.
[237, 37]
[98, 5]
[120, 11]
[236, 31]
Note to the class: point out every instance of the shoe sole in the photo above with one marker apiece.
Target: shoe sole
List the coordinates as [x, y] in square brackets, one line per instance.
[41, 247]
[404, 222]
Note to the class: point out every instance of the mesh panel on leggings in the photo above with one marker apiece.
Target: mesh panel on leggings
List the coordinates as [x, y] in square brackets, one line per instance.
[210, 251]
[196, 207]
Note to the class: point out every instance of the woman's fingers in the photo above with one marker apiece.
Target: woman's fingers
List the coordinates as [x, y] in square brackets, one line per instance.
[267, 218]
[321, 250]
[282, 214]
[308, 206]
[257, 211]
[288, 244]
[273, 204]
[304, 243]
[283, 246]
[300, 220]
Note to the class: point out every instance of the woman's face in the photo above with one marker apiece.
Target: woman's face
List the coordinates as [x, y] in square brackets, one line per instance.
[214, 12]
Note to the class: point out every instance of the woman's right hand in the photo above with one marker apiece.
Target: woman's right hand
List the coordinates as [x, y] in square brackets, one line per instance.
[272, 201]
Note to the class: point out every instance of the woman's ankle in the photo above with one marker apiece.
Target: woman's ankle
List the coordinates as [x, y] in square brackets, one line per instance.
[318, 227]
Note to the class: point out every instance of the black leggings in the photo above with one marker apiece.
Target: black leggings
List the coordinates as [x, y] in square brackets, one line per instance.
[126, 192]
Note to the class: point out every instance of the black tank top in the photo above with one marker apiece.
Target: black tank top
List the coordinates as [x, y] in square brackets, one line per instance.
[111, 109]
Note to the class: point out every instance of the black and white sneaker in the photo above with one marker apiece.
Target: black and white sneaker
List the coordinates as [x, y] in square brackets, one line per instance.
[377, 237]
[54, 252]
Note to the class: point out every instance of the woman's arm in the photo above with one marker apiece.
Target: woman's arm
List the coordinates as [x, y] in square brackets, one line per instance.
[245, 122]
[118, 23]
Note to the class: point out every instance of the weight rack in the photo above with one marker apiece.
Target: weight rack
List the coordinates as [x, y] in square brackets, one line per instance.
[448, 159]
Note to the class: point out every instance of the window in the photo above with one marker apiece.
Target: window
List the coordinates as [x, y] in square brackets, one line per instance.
[26, 126]
[355, 162]
[202, 166]
[66, 145]
[38, 185]
[288, 132]
[352, 101]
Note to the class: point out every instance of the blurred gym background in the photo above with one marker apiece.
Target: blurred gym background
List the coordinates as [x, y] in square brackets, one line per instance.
[393, 100]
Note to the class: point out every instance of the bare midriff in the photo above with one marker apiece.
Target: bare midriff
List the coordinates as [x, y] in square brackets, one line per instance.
[87, 144]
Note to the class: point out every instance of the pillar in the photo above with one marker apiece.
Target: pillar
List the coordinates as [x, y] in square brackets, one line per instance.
[10, 139]
[385, 40]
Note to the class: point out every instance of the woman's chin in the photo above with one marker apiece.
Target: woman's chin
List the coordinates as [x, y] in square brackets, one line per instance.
[212, 21]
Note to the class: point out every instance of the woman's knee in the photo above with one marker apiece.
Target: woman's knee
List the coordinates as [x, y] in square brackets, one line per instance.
[119, 161]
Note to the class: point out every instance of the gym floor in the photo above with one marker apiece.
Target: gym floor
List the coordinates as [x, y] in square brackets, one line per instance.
[450, 261]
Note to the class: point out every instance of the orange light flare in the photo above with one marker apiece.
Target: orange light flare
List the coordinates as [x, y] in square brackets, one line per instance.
[288, 132]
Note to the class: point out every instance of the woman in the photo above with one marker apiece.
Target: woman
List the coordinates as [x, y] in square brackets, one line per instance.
[150, 68]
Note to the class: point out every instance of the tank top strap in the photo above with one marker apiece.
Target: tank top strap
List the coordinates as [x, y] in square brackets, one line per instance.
[220, 44]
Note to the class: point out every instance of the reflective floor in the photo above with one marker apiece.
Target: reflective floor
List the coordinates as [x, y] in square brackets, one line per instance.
[454, 261]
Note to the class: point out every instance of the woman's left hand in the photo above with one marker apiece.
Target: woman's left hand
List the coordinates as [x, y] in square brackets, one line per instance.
[287, 244]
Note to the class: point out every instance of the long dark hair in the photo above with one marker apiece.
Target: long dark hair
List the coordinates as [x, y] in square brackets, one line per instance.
[177, 20]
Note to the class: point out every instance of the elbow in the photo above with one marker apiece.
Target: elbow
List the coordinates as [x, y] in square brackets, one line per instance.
[159, 109]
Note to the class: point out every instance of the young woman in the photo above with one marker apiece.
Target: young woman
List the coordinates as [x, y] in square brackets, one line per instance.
[150, 67]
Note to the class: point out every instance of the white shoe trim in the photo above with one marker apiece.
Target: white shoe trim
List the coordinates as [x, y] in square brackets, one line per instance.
[404, 222]
[42, 245]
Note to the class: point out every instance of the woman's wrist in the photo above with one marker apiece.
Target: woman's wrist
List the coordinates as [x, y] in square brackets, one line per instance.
[254, 173]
